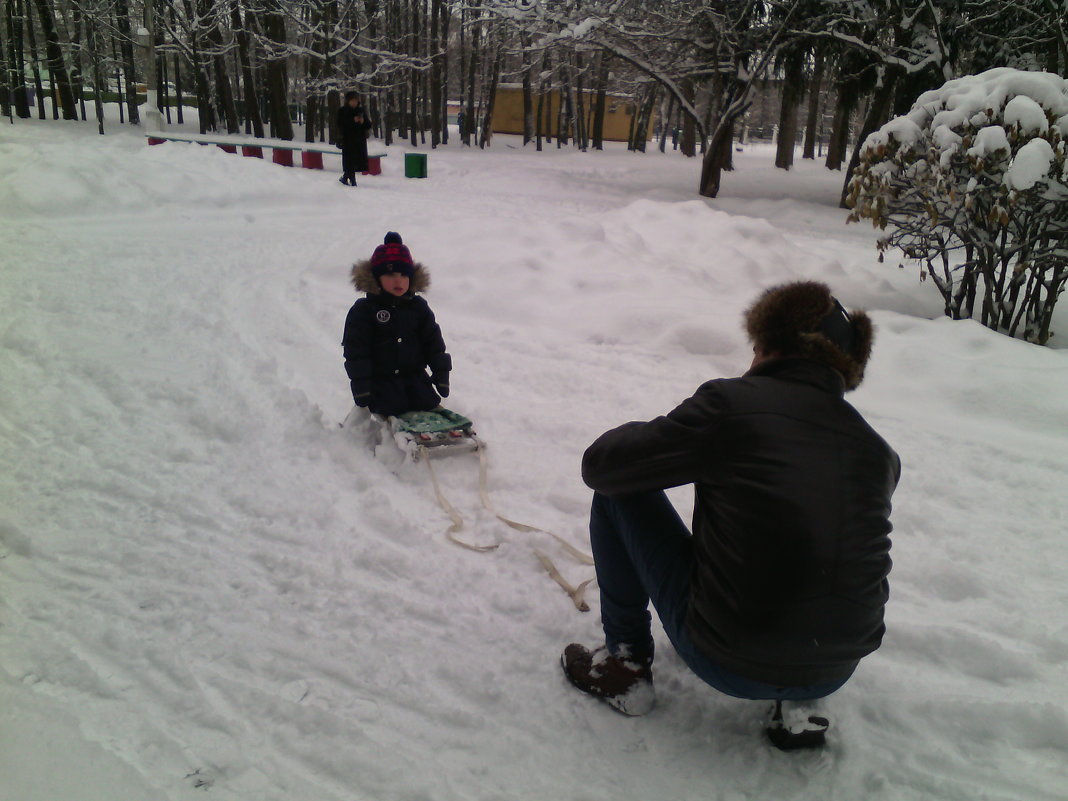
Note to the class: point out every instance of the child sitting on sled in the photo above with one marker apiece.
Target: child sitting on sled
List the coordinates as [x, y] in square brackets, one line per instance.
[391, 337]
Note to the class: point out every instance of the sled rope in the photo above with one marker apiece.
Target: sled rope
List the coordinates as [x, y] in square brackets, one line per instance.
[577, 594]
[585, 559]
[450, 510]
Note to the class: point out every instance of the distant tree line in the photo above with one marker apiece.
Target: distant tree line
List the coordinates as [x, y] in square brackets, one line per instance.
[258, 65]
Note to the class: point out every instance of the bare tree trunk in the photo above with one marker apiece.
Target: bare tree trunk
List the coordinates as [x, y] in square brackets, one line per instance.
[732, 102]
[668, 122]
[581, 134]
[163, 81]
[688, 140]
[179, 95]
[540, 132]
[446, 16]
[277, 82]
[330, 98]
[225, 93]
[76, 79]
[602, 99]
[92, 39]
[205, 108]
[223, 90]
[567, 115]
[793, 88]
[122, 19]
[118, 84]
[162, 78]
[252, 101]
[717, 158]
[7, 67]
[469, 117]
[35, 66]
[465, 54]
[435, 74]
[57, 69]
[528, 98]
[316, 109]
[16, 25]
[413, 49]
[813, 118]
[239, 100]
[845, 106]
[642, 117]
[538, 118]
[491, 100]
[878, 113]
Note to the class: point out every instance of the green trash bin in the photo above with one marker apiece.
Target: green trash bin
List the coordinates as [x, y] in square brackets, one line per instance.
[415, 165]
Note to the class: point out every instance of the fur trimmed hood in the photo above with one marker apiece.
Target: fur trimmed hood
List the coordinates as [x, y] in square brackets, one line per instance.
[787, 320]
[364, 281]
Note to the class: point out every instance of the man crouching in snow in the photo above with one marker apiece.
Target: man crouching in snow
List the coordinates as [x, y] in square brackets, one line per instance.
[780, 590]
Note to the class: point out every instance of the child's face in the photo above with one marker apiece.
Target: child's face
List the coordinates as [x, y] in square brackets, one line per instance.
[395, 284]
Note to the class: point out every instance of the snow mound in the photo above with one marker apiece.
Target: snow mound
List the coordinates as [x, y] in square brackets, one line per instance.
[126, 174]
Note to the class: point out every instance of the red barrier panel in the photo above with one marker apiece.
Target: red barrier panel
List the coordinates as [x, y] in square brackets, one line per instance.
[154, 141]
[311, 160]
[229, 148]
[255, 151]
[283, 157]
[374, 166]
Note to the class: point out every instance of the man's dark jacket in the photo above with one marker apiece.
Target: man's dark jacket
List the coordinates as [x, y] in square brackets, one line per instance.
[791, 517]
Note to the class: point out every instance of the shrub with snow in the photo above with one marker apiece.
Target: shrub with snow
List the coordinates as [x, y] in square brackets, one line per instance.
[973, 184]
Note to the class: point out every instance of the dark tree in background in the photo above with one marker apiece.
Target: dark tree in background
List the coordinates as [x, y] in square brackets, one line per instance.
[687, 70]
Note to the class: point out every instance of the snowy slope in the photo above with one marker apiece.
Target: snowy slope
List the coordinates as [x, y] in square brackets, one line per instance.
[208, 589]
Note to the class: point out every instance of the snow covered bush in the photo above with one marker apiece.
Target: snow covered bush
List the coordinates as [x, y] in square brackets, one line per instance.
[973, 184]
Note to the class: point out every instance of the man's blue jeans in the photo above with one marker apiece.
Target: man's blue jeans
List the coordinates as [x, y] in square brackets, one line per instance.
[644, 552]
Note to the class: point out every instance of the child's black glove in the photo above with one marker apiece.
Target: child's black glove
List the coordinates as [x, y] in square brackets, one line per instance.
[441, 384]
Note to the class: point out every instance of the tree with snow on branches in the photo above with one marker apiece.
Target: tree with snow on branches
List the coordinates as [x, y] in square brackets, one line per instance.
[972, 183]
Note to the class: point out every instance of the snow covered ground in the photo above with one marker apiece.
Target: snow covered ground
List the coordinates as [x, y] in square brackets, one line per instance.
[210, 590]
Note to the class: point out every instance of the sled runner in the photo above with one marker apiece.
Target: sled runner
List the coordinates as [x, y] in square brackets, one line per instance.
[437, 432]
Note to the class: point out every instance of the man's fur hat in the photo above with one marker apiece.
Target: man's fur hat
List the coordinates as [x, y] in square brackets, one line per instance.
[804, 320]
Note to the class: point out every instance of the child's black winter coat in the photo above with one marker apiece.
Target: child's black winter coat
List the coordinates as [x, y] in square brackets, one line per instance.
[389, 343]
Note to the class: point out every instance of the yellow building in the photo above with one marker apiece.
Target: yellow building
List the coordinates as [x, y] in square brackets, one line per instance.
[618, 114]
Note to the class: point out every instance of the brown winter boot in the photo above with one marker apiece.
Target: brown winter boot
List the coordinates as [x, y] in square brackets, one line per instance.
[793, 726]
[623, 683]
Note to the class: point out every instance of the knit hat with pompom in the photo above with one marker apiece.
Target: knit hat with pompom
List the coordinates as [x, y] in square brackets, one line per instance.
[392, 256]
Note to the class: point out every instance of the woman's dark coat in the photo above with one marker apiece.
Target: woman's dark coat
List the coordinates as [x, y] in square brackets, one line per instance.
[790, 523]
[389, 343]
[352, 138]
